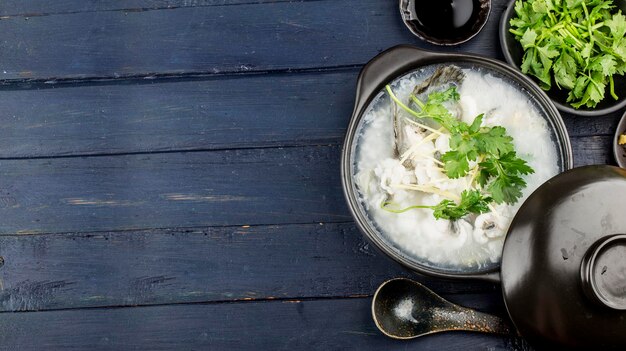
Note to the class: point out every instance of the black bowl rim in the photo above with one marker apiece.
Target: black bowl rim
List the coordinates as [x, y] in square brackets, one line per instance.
[404, 59]
[504, 31]
[619, 149]
[435, 41]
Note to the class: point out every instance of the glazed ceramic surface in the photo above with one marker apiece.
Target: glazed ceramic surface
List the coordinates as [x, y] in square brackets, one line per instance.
[410, 12]
[619, 151]
[564, 261]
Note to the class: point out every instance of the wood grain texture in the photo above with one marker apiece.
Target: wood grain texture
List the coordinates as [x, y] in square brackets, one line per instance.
[34, 8]
[232, 112]
[341, 324]
[101, 269]
[216, 113]
[229, 187]
[256, 186]
[260, 37]
[593, 150]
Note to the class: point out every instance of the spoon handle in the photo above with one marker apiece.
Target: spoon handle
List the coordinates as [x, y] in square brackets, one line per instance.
[466, 319]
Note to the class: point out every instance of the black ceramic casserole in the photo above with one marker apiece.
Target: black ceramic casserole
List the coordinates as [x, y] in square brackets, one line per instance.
[395, 63]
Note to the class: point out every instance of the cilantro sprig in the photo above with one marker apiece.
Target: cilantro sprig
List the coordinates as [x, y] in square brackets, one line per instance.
[471, 201]
[497, 167]
[579, 43]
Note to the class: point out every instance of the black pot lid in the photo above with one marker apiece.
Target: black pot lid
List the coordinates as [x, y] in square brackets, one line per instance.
[564, 261]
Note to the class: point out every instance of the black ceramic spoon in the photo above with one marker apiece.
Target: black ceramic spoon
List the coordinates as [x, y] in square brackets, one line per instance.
[405, 309]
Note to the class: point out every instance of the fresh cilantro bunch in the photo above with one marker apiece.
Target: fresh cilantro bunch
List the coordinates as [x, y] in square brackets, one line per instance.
[578, 42]
[498, 169]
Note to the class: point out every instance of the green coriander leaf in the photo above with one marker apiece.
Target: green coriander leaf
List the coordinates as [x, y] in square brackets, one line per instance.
[547, 53]
[528, 39]
[516, 22]
[500, 176]
[478, 121]
[483, 176]
[455, 164]
[565, 71]
[595, 90]
[495, 141]
[438, 97]
[540, 6]
[617, 25]
[506, 188]
[621, 68]
[619, 48]
[455, 141]
[586, 51]
[467, 148]
[579, 88]
[478, 203]
[513, 164]
[528, 60]
[573, 3]
[472, 201]
[596, 93]
[605, 64]
[447, 209]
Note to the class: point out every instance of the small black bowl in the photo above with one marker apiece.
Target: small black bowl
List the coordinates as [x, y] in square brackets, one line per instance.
[513, 53]
[619, 151]
[476, 24]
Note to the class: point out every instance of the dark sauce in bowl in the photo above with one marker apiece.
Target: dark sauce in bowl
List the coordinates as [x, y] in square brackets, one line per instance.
[447, 19]
[445, 22]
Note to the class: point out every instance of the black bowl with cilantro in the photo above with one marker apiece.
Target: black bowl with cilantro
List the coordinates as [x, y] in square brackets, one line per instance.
[549, 40]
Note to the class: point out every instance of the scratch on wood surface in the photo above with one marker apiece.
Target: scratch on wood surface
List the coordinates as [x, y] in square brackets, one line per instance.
[194, 197]
[294, 24]
[356, 332]
[97, 202]
[95, 298]
[359, 295]
[28, 295]
[28, 231]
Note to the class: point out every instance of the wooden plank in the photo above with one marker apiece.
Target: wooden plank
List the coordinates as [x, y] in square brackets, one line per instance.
[257, 186]
[34, 8]
[295, 325]
[210, 40]
[593, 150]
[592, 126]
[229, 187]
[63, 271]
[197, 114]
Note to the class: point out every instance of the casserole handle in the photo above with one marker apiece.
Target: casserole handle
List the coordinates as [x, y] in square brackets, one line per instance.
[388, 65]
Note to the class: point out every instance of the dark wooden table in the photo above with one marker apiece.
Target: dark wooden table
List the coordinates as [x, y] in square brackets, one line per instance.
[169, 176]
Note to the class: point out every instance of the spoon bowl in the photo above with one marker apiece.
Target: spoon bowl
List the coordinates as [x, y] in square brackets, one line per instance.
[405, 309]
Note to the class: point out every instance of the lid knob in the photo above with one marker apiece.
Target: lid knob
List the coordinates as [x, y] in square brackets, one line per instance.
[603, 272]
